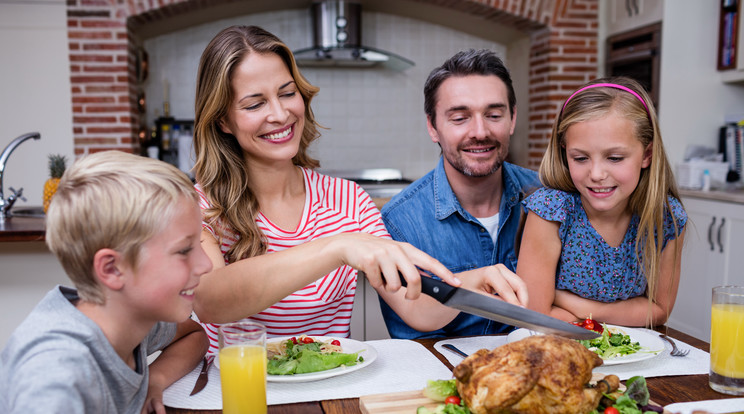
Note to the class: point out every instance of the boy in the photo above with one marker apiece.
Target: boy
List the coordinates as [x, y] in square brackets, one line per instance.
[126, 230]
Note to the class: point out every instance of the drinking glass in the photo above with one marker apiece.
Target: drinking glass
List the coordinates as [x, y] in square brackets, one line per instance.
[727, 340]
[243, 367]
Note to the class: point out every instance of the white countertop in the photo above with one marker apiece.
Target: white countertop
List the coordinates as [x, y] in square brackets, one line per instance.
[736, 196]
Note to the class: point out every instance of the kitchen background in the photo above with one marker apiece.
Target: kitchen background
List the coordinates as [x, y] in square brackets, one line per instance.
[375, 116]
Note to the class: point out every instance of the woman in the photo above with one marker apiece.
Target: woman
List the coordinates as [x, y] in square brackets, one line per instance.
[260, 195]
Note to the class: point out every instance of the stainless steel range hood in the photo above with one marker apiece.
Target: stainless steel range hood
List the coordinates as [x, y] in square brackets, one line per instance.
[337, 35]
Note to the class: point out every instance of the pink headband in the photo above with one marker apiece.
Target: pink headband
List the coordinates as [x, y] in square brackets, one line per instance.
[609, 85]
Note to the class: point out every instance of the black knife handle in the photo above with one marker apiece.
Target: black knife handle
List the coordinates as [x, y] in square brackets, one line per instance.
[433, 287]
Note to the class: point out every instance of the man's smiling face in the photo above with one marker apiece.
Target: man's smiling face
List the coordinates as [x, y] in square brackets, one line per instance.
[473, 123]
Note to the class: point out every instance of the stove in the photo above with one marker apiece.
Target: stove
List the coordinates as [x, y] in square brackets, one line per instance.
[377, 182]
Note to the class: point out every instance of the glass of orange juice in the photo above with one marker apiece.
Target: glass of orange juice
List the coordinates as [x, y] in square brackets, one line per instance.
[243, 367]
[727, 340]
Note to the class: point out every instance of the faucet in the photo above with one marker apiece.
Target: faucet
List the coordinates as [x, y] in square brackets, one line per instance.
[6, 204]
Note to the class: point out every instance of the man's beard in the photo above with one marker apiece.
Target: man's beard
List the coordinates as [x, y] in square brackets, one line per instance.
[458, 162]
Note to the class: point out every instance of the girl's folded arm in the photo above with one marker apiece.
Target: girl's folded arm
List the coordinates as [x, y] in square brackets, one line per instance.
[539, 252]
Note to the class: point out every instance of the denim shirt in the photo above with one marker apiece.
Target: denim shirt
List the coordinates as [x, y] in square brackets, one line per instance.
[428, 215]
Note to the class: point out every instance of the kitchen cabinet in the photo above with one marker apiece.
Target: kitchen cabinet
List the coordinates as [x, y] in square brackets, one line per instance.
[730, 38]
[627, 15]
[713, 255]
[367, 323]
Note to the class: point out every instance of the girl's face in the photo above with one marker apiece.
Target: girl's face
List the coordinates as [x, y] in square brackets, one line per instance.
[170, 266]
[267, 115]
[605, 160]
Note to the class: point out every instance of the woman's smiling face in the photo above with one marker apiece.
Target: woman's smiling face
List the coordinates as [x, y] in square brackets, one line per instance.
[267, 114]
[605, 159]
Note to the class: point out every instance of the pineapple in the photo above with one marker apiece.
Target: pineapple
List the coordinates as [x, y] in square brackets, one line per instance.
[57, 165]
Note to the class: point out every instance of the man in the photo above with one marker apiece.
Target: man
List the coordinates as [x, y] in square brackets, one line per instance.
[466, 211]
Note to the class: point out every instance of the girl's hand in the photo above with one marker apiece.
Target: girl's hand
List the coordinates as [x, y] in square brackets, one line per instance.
[499, 280]
[381, 260]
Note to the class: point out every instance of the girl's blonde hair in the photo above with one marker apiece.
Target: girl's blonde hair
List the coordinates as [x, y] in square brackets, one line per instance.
[112, 200]
[220, 168]
[650, 199]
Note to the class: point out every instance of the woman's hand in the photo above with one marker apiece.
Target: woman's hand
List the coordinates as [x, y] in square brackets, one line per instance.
[381, 260]
[498, 280]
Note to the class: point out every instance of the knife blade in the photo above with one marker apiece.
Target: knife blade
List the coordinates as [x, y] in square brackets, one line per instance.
[497, 310]
[203, 378]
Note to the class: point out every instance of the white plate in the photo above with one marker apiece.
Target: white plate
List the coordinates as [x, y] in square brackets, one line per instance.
[651, 345]
[349, 346]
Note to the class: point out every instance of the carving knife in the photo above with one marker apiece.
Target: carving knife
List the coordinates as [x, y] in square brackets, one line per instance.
[203, 378]
[495, 309]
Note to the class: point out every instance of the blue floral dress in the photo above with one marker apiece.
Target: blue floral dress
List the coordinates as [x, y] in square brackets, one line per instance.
[588, 266]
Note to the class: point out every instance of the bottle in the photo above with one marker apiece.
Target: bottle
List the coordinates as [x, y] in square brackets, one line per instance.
[174, 133]
[165, 137]
[706, 180]
[186, 156]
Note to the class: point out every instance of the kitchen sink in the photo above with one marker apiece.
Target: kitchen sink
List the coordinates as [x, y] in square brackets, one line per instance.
[32, 212]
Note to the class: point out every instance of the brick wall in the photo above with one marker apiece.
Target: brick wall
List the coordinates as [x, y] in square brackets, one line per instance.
[102, 36]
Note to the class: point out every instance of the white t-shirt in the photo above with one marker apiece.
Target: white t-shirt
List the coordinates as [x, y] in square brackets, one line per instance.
[322, 308]
[492, 225]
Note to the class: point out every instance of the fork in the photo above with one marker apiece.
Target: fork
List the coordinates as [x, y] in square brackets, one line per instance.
[455, 350]
[675, 351]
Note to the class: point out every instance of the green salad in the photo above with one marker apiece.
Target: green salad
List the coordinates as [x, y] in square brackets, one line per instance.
[611, 344]
[302, 357]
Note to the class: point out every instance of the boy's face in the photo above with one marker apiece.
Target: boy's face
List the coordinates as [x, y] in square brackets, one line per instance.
[162, 287]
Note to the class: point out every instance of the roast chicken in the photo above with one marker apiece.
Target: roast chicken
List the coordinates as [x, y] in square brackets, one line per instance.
[538, 374]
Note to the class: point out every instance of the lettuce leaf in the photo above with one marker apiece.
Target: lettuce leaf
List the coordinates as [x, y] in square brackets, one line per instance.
[306, 358]
[439, 390]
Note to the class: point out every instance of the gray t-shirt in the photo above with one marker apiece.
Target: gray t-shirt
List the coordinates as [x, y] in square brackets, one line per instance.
[59, 361]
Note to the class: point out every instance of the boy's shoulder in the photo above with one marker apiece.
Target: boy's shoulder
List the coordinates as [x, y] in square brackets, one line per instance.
[53, 326]
[58, 357]
[50, 354]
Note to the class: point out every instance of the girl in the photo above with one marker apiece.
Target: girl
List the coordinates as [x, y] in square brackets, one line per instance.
[603, 239]
[260, 194]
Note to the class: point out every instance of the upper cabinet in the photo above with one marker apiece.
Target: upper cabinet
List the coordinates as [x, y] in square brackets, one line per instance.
[627, 15]
[730, 37]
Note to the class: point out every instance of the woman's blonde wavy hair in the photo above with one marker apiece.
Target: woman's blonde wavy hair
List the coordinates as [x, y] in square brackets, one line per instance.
[220, 168]
[650, 199]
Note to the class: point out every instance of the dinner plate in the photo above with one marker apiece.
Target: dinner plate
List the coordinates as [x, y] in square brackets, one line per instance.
[349, 346]
[651, 345]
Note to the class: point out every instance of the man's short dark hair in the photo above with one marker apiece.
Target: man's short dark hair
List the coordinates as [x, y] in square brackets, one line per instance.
[467, 62]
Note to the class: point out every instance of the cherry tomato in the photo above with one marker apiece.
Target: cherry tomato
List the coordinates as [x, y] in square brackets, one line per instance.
[611, 410]
[336, 342]
[294, 340]
[452, 399]
[588, 324]
[307, 340]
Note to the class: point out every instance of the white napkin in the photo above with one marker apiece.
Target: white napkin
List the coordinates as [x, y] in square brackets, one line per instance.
[400, 366]
[696, 362]
[712, 406]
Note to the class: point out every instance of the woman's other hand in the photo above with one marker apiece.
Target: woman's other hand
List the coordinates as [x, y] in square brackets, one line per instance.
[498, 280]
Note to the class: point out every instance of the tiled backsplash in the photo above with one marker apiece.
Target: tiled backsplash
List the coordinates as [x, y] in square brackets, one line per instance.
[375, 116]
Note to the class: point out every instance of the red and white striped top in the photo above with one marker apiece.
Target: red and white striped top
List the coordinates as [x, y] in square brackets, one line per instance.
[323, 308]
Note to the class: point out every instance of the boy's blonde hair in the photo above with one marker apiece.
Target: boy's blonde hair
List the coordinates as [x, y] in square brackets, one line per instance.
[650, 199]
[111, 200]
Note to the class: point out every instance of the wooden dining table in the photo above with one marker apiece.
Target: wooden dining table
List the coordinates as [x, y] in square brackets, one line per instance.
[664, 390]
